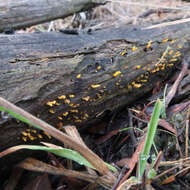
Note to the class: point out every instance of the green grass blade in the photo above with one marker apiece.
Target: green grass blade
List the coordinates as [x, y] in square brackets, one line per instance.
[69, 154]
[19, 117]
[152, 127]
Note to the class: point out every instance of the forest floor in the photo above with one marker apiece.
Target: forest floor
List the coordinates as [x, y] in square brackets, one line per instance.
[107, 139]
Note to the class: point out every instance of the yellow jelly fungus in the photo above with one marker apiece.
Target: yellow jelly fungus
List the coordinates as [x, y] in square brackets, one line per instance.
[134, 48]
[149, 44]
[98, 68]
[170, 52]
[74, 111]
[78, 121]
[143, 80]
[116, 73]
[62, 97]
[172, 41]
[86, 115]
[51, 103]
[99, 96]
[87, 98]
[24, 139]
[129, 87]
[24, 133]
[136, 85]
[165, 40]
[95, 85]
[123, 52]
[71, 95]
[51, 111]
[60, 118]
[31, 137]
[172, 60]
[179, 46]
[47, 134]
[67, 101]
[78, 76]
[34, 131]
[57, 104]
[177, 54]
[65, 114]
[170, 65]
[74, 105]
[138, 66]
[40, 136]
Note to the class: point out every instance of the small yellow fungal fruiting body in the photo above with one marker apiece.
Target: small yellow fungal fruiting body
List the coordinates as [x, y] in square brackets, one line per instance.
[65, 114]
[47, 134]
[95, 85]
[34, 131]
[71, 95]
[62, 97]
[177, 54]
[138, 66]
[86, 115]
[172, 60]
[143, 80]
[170, 52]
[51, 103]
[74, 111]
[116, 73]
[51, 111]
[179, 46]
[24, 133]
[87, 98]
[40, 136]
[136, 85]
[134, 48]
[98, 68]
[123, 52]
[60, 118]
[78, 76]
[67, 101]
[172, 41]
[78, 121]
[165, 40]
[149, 44]
[24, 139]
[170, 65]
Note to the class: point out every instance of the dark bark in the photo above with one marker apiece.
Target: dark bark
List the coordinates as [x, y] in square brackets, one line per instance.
[74, 79]
[24, 13]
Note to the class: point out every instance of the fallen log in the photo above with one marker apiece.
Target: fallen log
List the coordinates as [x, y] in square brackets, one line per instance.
[24, 13]
[74, 79]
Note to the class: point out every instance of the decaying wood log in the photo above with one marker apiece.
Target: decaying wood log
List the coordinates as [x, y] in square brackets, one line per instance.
[74, 79]
[24, 13]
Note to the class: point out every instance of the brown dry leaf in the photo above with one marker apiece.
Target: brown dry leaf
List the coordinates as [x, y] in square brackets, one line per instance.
[168, 180]
[128, 185]
[167, 126]
[39, 166]
[107, 136]
[40, 183]
[123, 162]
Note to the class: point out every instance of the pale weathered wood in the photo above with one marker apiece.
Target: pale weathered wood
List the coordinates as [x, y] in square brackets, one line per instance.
[23, 13]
